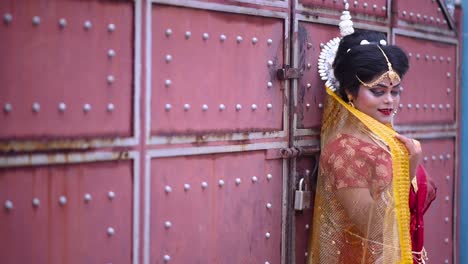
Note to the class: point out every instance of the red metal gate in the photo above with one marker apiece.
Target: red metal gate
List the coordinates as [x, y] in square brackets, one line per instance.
[158, 132]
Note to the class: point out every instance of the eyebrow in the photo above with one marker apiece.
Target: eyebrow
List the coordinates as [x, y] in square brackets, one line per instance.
[385, 86]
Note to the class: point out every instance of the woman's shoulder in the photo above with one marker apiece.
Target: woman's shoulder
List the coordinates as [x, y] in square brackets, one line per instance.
[344, 141]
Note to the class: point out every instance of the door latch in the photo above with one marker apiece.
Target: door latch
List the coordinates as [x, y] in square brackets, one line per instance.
[288, 72]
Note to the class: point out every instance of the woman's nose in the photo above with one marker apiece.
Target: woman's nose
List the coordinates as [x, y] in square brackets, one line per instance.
[388, 98]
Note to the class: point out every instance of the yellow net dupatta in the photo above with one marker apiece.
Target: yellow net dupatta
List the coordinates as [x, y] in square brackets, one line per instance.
[401, 179]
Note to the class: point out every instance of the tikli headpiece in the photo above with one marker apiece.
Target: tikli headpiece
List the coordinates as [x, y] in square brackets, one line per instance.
[390, 74]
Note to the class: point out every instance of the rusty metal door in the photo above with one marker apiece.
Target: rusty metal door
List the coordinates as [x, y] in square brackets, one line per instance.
[143, 131]
[428, 111]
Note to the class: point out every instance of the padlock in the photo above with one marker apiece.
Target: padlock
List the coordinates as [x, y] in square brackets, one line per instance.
[302, 197]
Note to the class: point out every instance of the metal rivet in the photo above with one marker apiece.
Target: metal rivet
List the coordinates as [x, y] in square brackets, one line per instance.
[449, 90]
[266, 262]
[401, 105]
[36, 202]
[204, 185]
[320, 105]
[309, 85]
[446, 240]
[254, 40]
[7, 108]
[110, 79]
[254, 107]
[238, 181]
[418, 16]
[447, 198]
[8, 205]
[110, 107]
[410, 54]
[168, 58]
[433, 106]
[222, 107]
[62, 200]
[168, 32]
[434, 157]
[36, 107]
[449, 59]
[110, 231]
[448, 156]
[168, 107]
[427, 57]
[374, 7]
[188, 34]
[306, 227]
[267, 235]
[254, 179]
[409, 106]
[269, 176]
[434, 58]
[269, 42]
[111, 195]
[365, 5]
[167, 83]
[87, 197]
[355, 3]
[438, 20]
[441, 106]
[269, 84]
[418, 56]
[167, 258]
[238, 107]
[186, 107]
[62, 23]
[239, 39]
[269, 106]
[446, 219]
[220, 183]
[432, 19]
[306, 254]
[222, 38]
[186, 187]
[36, 20]
[309, 65]
[86, 108]
[270, 63]
[441, 157]
[308, 105]
[111, 27]
[268, 205]
[167, 224]
[384, 8]
[447, 177]
[449, 74]
[7, 18]
[168, 189]
[446, 261]
[425, 106]
[417, 106]
[111, 53]
[205, 36]
[87, 24]
[62, 107]
[426, 159]
[441, 58]
[204, 107]
[425, 17]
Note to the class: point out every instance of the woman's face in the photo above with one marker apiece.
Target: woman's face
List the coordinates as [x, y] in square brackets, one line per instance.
[379, 101]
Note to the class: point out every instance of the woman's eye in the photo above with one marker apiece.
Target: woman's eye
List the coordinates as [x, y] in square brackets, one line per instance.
[395, 92]
[377, 92]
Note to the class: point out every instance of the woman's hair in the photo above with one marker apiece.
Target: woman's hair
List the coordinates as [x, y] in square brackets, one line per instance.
[365, 61]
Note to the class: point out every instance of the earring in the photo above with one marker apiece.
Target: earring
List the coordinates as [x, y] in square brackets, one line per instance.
[395, 111]
[351, 104]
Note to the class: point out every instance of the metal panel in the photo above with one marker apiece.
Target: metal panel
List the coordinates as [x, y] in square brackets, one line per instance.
[430, 86]
[192, 66]
[368, 10]
[66, 214]
[224, 207]
[439, 161]
[70, 69]
[422, 14]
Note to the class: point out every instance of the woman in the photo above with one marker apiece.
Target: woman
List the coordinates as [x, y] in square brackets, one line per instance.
[372, 190]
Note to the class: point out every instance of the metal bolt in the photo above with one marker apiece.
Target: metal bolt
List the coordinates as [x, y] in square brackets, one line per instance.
[267, 235]
[36, 202]
[441, 157]
[441, 106]
[384, 8]
[254, 40]
[411, 14]
[87, 25]
[320, 106]
[404, 13]
[186, 187]
[449, 90]
[269, 106]
[432, 19]
[220, 183]
[222, 107]
[87, 197]
[167, 224]
[446, 261]
[188, 34]
[238, 181]
[307, 227]
[447, 198]
[36, 20]
[374, 7]
[309, 65]
[110, 231]
[269, 84]
[7, 108]
[62, 23]
[418, 56]
[111, 195]
[449, 74]
[8, 205]
[204, 107]
[409, 106]
[269, 176]
[418, 16]
[434, 157]
[239, 39]
[7, 18]
[269, 42]
[438, 20]
[186, 107]
[86, 108]
[62, 107]
[427, 57]
[426, 159]
[204, 185]
[168, 189]
[355, 3]
[254, 179]
[268, 205]
[167, 83]
[168, 58]
[110, 79]
[410, 54]
[417, 106]
[110, 107]
[62, 200]
[254, 107]
[205, 36]
[238, 107]
[270, 63]
[266, 262]
[446, 241]
[441, 58]
[36, 107]
[308, 105]
[111, 27]
[425, 106]
[434, 58]
[401, 105]
[448, 156]
[168, 32]
[168, 107]
[433, 106]
[425, 17]
[446, 219]
[365, 5]
[222, 38]
[167, 258]
[447, 177]
[309, 85]
[306, 254]
[111, 53]
[449, 59]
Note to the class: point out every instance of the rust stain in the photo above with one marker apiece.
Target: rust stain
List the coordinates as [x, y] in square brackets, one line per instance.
[82, 144]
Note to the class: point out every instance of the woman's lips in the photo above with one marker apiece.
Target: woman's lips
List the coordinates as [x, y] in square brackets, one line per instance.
[386, 111]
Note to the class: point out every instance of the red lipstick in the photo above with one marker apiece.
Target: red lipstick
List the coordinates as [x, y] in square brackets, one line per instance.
[386, 111]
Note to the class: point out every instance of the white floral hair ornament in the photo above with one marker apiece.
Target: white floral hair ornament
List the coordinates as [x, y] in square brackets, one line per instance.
[328, 53]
